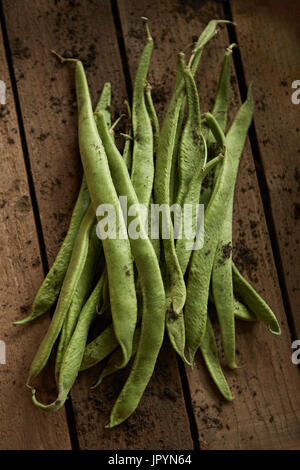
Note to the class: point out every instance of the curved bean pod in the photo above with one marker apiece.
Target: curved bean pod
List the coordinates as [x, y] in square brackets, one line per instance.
[153, 116]
[221, 105]
[254, 302]
[127, 151]
[142, 171]
[117, 252]
[190, 149]
[104, 103]
[242, 312]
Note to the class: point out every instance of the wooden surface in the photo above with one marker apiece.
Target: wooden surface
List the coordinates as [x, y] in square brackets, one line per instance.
[22, 426]
[109, 37]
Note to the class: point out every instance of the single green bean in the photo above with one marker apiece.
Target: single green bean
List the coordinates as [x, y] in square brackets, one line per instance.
[153, 116]
[254, 302]
[191, 153]
[127, 151]
[142, 171]
[209, 352]
[242, 312]
[104, 103]
[222, 286]
[221, 105]
[207, 34]
[117, 251]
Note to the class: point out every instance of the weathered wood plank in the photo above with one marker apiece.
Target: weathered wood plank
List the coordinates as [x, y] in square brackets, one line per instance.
[87, 30]
[268, 34]
[265, 412]
[21, 426]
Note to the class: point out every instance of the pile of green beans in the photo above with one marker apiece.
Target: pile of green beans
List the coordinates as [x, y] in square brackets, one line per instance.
[150, 287]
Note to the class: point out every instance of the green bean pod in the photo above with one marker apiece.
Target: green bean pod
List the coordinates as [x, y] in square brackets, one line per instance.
[207, 34]
[142, 171]
[215, 128]
[202, 260]
[81, 293]
[117, 251]
[241, 312]
[112, 363]
[49, 290]
[127, 150]
[164, 157]
[153, 116]
[74, 352]
[222, 287]
[99, 348]
[209, 352]
[186, 245]
[104, 103]
[254, 302]
[191, 153]
[73, 274]
[221, 105]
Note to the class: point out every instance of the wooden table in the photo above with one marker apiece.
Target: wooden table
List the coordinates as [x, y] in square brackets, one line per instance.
[40, 176]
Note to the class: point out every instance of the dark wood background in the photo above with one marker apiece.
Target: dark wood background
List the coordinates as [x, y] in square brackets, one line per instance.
[40, 176]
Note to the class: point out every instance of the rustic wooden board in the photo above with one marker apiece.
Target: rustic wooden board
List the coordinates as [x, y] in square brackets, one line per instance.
[21, 426]
[265, 413]
[85, 29]
[160, 422]
[271, 58]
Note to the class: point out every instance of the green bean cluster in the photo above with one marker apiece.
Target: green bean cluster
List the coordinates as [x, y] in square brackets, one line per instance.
[150, 286]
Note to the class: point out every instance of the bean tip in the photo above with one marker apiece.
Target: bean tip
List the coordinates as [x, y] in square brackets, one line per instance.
[232, 46]
[64, 59]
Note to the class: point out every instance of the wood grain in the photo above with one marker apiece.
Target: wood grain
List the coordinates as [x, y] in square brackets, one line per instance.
[21, 425]
[271, 58]
[265, 412]
[84, 29]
